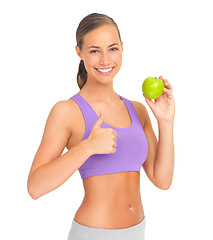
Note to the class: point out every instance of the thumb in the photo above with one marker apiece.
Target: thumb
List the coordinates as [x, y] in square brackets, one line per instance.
[149, 102]
[99, 121]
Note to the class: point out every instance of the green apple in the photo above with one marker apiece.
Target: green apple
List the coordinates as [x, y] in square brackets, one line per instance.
[152, 87]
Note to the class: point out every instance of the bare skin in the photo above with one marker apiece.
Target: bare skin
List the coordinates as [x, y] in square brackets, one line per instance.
[111, 200]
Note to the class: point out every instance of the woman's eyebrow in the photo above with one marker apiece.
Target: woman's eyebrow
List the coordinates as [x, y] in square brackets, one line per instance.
[108, 46]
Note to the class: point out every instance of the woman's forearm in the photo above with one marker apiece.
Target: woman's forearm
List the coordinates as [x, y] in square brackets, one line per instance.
[164, 161]
[50, 176]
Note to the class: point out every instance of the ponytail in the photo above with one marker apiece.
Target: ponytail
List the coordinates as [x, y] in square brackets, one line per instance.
[82, 75]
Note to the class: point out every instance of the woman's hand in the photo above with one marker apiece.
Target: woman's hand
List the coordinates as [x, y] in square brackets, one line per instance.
[163, 107]
[102, 140]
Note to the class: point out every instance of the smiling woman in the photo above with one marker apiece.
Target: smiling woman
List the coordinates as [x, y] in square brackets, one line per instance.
[99, 46]
[108, 137]
[100, 58]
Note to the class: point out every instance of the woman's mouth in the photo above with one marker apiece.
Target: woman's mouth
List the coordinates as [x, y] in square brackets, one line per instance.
[104, 71]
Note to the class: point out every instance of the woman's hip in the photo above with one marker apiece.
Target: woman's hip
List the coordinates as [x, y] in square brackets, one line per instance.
[82, 232]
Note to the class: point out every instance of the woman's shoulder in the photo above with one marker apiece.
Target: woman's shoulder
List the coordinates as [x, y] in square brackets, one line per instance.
[65, 111]
[66, 107]
[63, 107]
[141, 111]
[139, 106]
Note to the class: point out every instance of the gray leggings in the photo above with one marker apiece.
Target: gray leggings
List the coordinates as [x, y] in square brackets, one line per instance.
[81, 232]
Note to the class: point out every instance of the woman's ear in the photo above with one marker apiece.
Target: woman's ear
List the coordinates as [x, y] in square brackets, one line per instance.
[78, 52]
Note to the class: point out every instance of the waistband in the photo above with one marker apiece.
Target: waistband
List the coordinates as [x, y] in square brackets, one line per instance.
[129, 229]
[82, 232]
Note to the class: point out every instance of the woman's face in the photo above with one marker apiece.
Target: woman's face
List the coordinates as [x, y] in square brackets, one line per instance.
[101, 53]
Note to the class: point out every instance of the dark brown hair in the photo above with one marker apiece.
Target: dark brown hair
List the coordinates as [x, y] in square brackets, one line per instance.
[87, 24]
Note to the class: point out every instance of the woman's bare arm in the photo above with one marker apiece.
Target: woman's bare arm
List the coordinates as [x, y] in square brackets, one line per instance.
[159, 164]
[50, 169]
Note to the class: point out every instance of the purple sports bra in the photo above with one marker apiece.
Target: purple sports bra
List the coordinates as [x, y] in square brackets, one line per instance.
[131, 149]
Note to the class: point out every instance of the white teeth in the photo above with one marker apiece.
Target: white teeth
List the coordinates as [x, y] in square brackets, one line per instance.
[104, 70]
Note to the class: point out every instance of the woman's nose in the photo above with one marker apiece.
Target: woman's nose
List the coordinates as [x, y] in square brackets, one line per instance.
[104, 59]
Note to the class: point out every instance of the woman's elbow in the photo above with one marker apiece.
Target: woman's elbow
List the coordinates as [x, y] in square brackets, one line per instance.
[32, 191]
[164, 186]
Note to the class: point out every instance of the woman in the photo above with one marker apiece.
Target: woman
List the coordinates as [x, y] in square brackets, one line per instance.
[108, 139]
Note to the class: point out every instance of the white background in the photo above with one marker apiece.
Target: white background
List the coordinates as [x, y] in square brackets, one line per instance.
[38, 67]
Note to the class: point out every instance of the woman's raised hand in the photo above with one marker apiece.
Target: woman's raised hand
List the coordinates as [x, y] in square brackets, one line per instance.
[163, 107]
[102, 140]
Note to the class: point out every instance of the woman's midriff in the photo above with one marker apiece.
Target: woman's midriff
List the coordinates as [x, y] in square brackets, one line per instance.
[111, 201]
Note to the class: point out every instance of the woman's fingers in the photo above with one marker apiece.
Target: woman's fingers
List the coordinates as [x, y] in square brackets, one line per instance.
[168, 92]
[149, 102]
[167, 84]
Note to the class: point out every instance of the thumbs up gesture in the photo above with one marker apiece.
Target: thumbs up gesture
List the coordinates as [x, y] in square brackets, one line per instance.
[102, 140]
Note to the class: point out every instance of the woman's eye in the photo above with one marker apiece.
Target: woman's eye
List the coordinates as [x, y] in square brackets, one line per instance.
[93, 51]
[114, 49]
